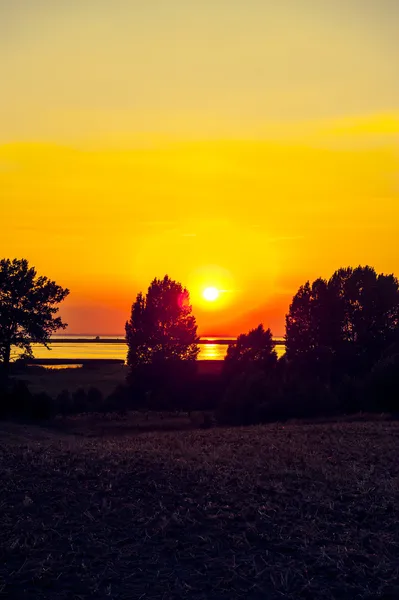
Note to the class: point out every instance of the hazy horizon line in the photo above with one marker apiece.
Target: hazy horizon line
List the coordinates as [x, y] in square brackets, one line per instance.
[122, 335]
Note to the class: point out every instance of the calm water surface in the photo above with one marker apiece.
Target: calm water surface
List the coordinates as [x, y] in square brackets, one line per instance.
[77, 350]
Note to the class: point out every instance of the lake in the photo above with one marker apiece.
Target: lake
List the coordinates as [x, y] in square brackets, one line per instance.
[81, 347]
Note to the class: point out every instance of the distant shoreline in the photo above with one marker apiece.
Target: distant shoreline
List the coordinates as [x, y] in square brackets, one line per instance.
[116, 340]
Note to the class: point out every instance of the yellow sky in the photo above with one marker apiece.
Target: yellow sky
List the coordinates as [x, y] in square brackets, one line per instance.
[235, 144]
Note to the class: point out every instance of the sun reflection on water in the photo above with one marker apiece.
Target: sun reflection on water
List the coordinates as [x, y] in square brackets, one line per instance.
[98, 350]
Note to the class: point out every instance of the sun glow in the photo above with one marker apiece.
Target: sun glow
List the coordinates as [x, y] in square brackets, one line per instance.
[210, 294]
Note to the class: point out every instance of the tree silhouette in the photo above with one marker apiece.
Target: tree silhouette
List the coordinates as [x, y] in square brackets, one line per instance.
[162, 346]
[28, 305]
[355, 315]
[161, 326]
[254, 349]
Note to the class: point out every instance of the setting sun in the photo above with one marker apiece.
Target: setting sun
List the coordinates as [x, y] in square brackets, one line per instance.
[210, 294]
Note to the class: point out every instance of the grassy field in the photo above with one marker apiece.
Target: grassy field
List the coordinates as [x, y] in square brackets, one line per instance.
[300, 511]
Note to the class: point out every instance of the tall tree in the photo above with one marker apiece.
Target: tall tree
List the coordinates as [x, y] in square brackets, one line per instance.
[254, 349]
[355, 314]
[28, 305]
[161, 326]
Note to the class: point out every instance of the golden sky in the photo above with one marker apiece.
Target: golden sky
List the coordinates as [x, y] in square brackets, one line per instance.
[243, 145]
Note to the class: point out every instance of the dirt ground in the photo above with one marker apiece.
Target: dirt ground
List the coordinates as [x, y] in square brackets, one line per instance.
[294, 511]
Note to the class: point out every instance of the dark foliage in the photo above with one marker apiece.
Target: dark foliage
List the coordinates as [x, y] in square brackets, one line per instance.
[120, 400]
[16, 401]
[350, 395]
[342, 354]
[354, 315]
[161, 325]
[255, 397]
[94, 400]
[64, 403]
[42, 407]
[342, 342]
[79, 401]
[252, 350]
[251, 398]
[28, 305]
[306, 398]
[205, 393]
[163, 384]
[162, 345]
[381, 389]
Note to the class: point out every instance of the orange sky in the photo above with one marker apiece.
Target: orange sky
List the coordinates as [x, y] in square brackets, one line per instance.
[225, 146]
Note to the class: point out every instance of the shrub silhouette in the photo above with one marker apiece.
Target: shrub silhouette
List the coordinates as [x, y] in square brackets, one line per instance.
[63, 403]
[20, 399]
[18, 402]
[41, 407]
[308, 397]
[94, 400]
[119, 400]
[252, 397]
[201, 419]
[15, 399]
[250, 350]
[351, 395]
[250, 372]
[382, 385]
[79, 401]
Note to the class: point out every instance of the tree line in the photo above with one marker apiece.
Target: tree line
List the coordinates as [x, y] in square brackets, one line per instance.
[342, 347]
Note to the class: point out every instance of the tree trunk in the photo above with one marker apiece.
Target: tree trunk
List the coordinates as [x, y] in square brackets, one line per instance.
[6, 360]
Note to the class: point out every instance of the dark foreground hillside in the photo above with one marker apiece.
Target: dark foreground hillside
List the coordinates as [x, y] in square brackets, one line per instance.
[301, 511]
